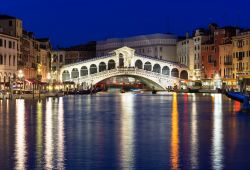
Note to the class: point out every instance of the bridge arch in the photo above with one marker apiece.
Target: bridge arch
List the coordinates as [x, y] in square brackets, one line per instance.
[157, 68]
[138, 64]
[102, 66]
[84, 71]
[148, 66]
[175, 72]
[184, 74]
[166, 71]
[111, 64]
[65, 75]
[93, 69]
[74, 73]
[145, 79]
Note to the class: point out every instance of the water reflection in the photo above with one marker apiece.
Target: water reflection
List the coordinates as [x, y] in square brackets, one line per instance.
[194, 135]
[127, 131]
[39, 136]
[175, 134]
[48, 135]
[217, 143]
[20, 143]
[60, 127]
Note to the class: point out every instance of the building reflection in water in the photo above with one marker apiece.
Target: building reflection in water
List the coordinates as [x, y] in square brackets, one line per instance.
[217, 141]
[60, 144]
[48, 135]
[127, 131]
[194, 134]
[175, 134]
[20, 135]
[54, 135]
[39, 136]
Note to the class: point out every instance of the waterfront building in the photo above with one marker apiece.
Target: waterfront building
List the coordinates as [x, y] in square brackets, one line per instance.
[71, 55]
[161, 46]
[185, 53]
[226, 59]
[57, 61]
[28, 49]
[199, 38]
[79, 53]
[241, 54]
[8, 58]
[44, 59]
[211, 58]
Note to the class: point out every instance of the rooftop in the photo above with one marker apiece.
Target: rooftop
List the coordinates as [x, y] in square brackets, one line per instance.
[3, 16]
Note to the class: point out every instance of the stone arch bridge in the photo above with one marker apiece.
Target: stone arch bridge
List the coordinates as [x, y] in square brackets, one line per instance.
[125, 62]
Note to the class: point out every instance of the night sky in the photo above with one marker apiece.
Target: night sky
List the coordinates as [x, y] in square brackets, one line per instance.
[70, 22]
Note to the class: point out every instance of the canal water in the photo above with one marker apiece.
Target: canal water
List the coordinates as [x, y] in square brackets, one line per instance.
[125, 131]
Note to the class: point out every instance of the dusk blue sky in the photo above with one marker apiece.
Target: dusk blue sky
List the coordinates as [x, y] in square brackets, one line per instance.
[70, 22]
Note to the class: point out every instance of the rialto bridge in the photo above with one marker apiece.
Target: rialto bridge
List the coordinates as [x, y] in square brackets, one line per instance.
[157, 73]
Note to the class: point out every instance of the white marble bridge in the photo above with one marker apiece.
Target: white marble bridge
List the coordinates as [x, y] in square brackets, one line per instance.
[157, 73]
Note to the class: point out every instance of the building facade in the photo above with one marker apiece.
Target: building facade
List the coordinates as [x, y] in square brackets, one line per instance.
[226, 60]
[241, 54]
[185, 54]
[199, 38]
[8, 58]
[29, 52]
[57, 61]
[161, 46]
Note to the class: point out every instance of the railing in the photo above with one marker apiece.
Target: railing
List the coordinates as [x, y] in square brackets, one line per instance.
[162, 60]
[122, 70]
[89, 60]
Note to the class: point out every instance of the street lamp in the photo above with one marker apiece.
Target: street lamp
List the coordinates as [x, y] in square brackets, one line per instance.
[20, 77]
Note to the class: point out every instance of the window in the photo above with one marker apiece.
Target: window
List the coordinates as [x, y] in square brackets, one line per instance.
[160, 49]
[14, 60]
[4, 43]
[61, 59]
[10, 44]
[1, 42]
[4, 61]
[10, 23]
[14, 45]
[9, 60]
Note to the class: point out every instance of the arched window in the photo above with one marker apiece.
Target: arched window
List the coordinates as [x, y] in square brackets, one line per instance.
[74, 73]
[175, 72]
[102, 67]
[121, 60]
[84, 71]
[93, 69]
[148, 66]
[138, 64]
[184, 74]
[157, 68]
[65, 75]
[165, 70]
[111, 64]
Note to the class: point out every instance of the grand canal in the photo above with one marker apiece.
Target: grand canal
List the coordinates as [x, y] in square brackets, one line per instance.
[125, 131]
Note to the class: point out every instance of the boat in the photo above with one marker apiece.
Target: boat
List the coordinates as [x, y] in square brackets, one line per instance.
[240, 97]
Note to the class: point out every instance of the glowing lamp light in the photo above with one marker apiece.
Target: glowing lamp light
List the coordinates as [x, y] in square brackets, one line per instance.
[20, 74]
[48, 76]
